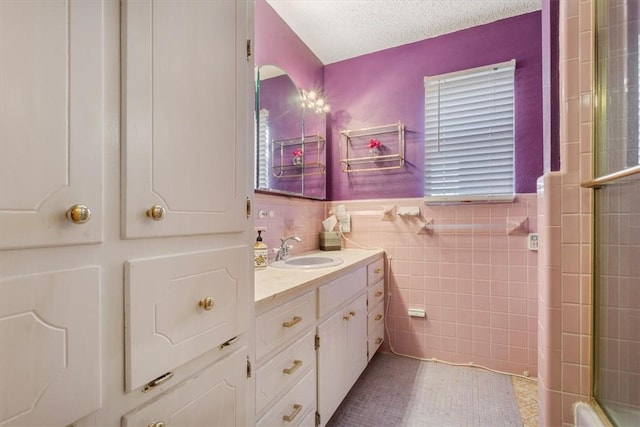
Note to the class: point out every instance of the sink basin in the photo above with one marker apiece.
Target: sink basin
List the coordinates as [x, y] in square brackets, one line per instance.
[308, 262]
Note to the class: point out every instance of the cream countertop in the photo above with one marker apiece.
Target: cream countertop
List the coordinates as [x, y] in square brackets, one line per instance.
[272, 283]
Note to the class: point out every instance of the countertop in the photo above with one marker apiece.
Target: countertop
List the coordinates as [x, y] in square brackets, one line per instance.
[272, 283]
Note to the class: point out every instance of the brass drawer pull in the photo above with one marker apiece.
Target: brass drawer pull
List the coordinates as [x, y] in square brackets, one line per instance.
[378, 341]
[157, 424]
[378, 270]
[207, 303]
[296, 410]
[378, 294]
[292, 369]
[352, 313]
[228, 343]
[155, 383]
[347, 317]
[292, 322]
[379, 316]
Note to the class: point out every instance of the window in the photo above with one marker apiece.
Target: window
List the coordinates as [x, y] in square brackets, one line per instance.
[262, 151]
[469, 135]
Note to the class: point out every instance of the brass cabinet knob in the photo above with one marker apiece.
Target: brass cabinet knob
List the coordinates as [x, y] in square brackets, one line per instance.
[379, 317]
[157, 424]
[156, 213]
[207, 303]
[78, 214]
[352, 313]
[378, 270]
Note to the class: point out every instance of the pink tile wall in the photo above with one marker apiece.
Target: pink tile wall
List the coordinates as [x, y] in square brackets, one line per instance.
[477, 285]
[564, 300]
[289, 216]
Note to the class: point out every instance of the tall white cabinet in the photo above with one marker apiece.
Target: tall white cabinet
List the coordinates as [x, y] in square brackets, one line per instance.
[126, 282]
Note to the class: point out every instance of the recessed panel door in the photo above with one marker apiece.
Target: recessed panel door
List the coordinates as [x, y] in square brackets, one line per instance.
[49, 347]
[184, 116]
[51, 123]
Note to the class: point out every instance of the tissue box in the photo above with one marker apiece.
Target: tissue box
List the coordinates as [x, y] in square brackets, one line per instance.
[330, 241]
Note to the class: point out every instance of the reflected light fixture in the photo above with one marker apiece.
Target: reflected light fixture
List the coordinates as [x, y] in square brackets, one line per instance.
[313, 101]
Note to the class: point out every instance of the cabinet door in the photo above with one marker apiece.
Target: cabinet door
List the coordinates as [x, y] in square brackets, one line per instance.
[185, 133]
[331, 363]
[51, 84]
[216, 397]
[356, 345]
[49, 347]
[342, 355]
[179, 307]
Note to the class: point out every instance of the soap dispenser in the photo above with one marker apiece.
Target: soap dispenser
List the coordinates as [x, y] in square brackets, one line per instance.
[260, 252]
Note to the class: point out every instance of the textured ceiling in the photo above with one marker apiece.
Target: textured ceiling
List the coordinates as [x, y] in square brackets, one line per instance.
[340, 29]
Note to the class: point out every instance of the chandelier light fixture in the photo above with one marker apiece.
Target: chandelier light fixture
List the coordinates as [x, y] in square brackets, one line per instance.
[314, 101]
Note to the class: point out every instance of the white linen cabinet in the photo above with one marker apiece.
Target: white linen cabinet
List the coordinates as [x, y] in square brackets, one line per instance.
[124, 228]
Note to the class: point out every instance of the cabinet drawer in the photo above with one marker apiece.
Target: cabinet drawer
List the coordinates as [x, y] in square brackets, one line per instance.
[284, 322]
[284, 370]
[335, 293]
[218, 393]
[295, 405]
[179, 307]
[375, 318]
[375, 271]
[309, 420]
[375, 294]
[376, 338]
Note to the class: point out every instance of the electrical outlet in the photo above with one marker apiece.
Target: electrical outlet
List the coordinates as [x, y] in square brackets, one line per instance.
[345, 223]
[532, 241]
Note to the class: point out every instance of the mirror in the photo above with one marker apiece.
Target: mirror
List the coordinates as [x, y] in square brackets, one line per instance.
[289, 160]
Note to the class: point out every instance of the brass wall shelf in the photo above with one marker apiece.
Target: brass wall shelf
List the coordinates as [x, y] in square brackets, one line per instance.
[311, 146]
[355, 154]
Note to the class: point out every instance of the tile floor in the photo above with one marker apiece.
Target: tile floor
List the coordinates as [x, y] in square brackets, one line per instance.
[398, 391]
[526, 391]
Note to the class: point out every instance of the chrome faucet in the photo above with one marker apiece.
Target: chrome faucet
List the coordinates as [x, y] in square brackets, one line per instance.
[283, 251]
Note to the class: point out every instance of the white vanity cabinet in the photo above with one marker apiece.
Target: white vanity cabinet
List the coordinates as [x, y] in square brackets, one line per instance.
[286, 369]
[312, 337]
[375, 306]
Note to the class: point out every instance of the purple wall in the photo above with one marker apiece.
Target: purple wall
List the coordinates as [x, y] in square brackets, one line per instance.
[387, 86]
[277, 44]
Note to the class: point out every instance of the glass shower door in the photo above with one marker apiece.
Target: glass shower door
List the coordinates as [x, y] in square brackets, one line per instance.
[616, 375]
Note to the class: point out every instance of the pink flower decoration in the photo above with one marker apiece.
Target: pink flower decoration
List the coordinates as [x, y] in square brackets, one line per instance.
[374, 143]
[297, 152]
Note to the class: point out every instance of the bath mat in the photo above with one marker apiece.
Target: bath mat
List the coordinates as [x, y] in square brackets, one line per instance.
[399, 391]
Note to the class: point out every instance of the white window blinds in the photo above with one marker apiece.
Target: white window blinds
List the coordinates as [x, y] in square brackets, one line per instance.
[262, 150]
[469, 135]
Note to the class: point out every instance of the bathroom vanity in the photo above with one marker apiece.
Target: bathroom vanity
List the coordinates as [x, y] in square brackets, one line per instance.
[316, 330]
